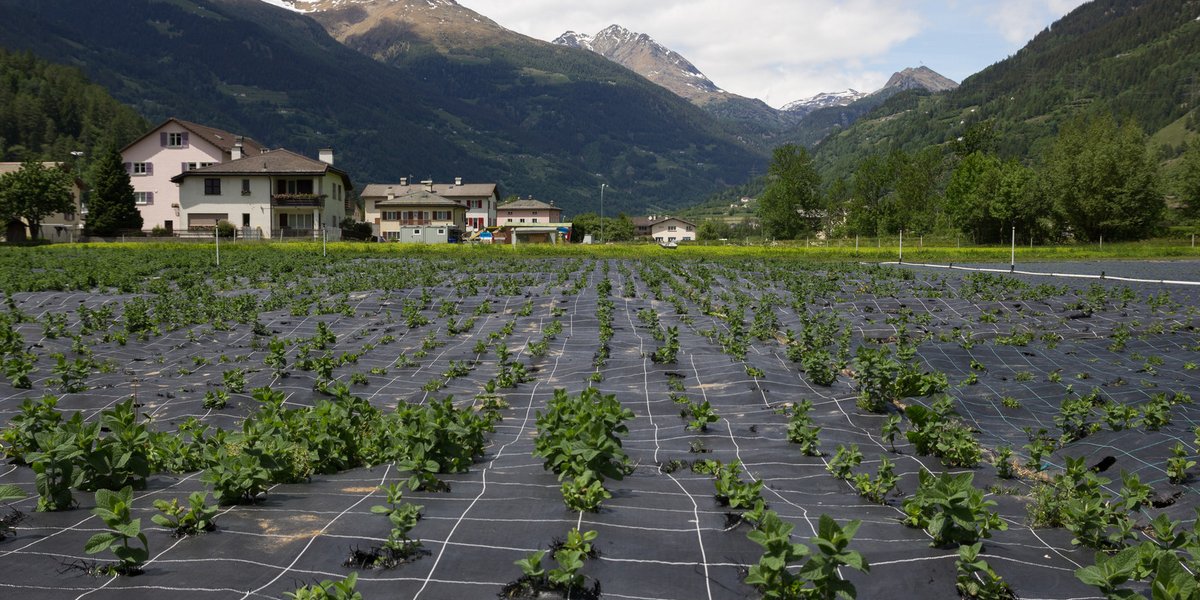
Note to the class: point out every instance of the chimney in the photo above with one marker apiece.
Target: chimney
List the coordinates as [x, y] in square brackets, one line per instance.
[236, 152]
[391, 195]
[428, 183]
[458, 181]
[403, 181]
[325, 155]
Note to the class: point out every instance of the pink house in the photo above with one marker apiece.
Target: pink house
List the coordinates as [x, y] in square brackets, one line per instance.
[171, 148]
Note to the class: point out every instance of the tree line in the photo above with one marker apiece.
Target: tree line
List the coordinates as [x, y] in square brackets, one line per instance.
[1097, 180]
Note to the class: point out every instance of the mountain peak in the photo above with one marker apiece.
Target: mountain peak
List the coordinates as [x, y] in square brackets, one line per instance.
[639, 53]
[920, 77]
[823, 100]
[311, 6]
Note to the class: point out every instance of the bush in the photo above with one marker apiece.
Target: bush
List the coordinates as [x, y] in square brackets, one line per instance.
[226, 229]
[353, 230]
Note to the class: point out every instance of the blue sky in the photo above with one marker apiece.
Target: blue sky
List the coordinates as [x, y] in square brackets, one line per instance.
[783, 50]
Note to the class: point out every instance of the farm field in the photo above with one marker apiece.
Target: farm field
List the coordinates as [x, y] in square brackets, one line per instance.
[688, 408]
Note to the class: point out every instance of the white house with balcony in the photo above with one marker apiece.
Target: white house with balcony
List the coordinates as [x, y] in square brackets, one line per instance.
[480, 199]
[270, 195]
[167, 150]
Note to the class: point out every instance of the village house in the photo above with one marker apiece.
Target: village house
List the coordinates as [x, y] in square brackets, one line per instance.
[175, 146]
[480, 199]
[417, 215]
[673, 229]
[269, 195]
[58, 227]
[530, 221]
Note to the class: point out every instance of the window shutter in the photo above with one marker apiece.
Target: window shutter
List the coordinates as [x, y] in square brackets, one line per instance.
[162, 139]
[149, 168]
[149, 198]
[128, 167]
[185, 139]
[183, 167]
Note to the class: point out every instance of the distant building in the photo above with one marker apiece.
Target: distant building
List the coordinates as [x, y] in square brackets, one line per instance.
[480, 199]
[528, 211]
[419, 215]
[673, 229]
[273, 194]
[58, 227]
[171, 148]
[531, 221]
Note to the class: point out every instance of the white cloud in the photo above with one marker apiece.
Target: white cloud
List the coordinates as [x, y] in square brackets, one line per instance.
[1019, 20]
[782, 50]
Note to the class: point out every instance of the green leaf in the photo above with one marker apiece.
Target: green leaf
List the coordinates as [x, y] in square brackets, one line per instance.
[9, 493]
[100, 542]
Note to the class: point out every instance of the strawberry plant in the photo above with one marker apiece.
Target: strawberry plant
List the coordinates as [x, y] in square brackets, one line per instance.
[197, 517]
[114, 509]
[11, 516]
[844, 461]
[976, 580]
[819, 577]
[565, 579]
[731, 491]
[1178, 464]
[951, 509]
[876, 490]
[398, 547]
[702, 414]
[56, 471]
[328, 590]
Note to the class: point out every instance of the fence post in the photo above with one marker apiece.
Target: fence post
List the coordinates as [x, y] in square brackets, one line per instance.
[1012, 265]
[901, 246]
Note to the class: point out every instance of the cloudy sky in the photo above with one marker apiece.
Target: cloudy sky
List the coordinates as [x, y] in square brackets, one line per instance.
[783, 50]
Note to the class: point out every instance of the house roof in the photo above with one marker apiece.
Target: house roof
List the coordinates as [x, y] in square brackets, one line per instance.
[527, 204]
[273, 162]
[665, 219]
[217, 137]
[418, 198]
[13, 167]
[445, 190]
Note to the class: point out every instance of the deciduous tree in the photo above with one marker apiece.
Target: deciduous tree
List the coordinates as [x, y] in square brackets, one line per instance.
[33, 193]
[791, 205]
[1103, 180]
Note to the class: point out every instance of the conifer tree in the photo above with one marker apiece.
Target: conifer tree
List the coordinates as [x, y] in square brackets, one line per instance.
[111, 208]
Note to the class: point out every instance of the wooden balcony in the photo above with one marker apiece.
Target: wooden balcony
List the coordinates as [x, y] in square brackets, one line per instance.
[298, 200]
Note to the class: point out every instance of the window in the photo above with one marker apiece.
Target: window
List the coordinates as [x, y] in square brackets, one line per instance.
[522, 220]
[416, 232]
[142, 168]
[192, 166]
[535, 212]
[245, 219]
[245, 187]
[68, 216]
[391, 215]
[689, 227]
[441, 232]
[143, 198]
[670, 228]
[212, 186]
[441, 215]
[176, 139]
[670, 239]
[535, 219]
[293, 186]
[391, 235]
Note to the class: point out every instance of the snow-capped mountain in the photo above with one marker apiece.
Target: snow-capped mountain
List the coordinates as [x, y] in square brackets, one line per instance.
[823, 100]
[639, 53]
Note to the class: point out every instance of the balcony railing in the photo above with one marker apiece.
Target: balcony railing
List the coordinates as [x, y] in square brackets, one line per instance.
[409, 222]
[298, 200]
